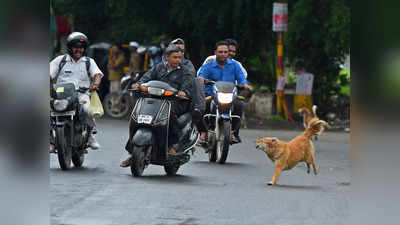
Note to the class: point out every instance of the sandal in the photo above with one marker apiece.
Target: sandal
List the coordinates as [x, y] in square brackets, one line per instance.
[127, 162]
[202, 141]
[172, 150]
[234, 139]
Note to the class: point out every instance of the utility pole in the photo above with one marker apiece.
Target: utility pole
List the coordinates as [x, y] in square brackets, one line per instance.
[280, 19]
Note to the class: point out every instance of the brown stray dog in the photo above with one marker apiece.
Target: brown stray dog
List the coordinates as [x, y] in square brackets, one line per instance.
[286, 155]
[308, 116]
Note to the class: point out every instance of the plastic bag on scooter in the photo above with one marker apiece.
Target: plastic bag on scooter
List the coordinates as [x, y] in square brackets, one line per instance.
[95, 107]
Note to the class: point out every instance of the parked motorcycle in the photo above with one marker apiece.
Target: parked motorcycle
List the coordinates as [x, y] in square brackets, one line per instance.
[149, 130]
[119, 104]
[220, 119]
[68, 133]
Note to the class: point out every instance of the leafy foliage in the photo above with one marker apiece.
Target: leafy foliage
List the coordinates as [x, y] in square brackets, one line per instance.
[317, 39]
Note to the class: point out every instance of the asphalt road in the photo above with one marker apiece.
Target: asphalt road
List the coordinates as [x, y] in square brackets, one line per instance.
[206, 193]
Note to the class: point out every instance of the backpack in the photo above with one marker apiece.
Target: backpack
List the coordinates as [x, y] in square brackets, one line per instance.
[64, 61]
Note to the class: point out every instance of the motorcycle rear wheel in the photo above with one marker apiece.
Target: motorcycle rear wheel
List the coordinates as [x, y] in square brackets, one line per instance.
[123, 106]
[212, 148]
[64, 152]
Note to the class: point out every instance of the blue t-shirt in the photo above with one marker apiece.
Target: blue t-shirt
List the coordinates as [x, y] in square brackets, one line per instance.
[231, 72]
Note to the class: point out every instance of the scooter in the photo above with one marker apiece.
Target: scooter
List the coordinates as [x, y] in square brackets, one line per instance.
[149, 130]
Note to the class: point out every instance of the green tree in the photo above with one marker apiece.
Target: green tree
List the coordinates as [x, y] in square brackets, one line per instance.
[318, 39]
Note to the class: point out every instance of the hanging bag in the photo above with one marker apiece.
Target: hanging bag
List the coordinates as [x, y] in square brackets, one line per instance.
[95, 108]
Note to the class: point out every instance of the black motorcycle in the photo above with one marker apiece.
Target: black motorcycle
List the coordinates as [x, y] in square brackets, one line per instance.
[68, 133]
[220, 119]
[149, 130]
[119, 104]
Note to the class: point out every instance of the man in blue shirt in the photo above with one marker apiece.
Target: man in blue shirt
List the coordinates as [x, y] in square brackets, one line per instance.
[224, 69]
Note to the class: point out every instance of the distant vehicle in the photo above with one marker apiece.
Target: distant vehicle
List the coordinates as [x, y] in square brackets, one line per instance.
[151, 55]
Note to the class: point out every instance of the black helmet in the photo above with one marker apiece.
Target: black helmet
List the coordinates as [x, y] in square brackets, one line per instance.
[77, 39]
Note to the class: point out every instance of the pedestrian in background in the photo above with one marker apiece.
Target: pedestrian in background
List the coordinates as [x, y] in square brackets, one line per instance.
[115, 66]
[136, 59]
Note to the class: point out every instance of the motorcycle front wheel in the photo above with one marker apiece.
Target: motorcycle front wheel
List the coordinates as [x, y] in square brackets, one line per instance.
[77, 159]
[64, 152]
[223, 142]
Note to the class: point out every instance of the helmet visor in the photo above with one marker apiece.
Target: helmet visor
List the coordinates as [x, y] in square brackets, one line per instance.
[79, 44]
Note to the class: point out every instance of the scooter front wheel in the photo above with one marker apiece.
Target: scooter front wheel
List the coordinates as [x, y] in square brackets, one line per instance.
[171, 169]
[138, 161]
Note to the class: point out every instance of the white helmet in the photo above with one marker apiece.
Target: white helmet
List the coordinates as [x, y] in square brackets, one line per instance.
[134, 44]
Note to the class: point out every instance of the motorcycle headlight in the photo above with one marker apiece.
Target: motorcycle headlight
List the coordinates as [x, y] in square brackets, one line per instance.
[225, 98]
[60, 105]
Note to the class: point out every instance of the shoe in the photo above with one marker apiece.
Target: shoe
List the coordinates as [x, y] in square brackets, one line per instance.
[234, 139]
[127, 162]
[202, 142]
[52, 149]
[93, 144]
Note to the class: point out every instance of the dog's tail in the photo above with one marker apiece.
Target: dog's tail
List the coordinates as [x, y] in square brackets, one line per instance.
[314, 110]
[316, 127]
[303, 111]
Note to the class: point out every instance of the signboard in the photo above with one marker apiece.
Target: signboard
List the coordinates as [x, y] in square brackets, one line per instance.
[279, 17]
[304, 83]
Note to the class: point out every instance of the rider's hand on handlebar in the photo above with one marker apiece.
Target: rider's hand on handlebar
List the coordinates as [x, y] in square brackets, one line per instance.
[181, 94]
[93, 87]
[135, 86]
[247, 87]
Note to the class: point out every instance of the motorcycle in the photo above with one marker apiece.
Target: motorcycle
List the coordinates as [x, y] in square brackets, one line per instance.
[68, 133]
[220, 119]
[149, 130]
[119, 104]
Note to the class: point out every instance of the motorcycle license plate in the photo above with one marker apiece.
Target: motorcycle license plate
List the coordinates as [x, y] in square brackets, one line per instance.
[68, 113]
[146, 119]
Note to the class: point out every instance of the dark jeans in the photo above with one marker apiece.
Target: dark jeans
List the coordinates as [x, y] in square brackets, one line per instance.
[198, 120]
[178, 108]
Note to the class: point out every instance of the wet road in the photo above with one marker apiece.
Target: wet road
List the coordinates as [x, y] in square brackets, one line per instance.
[206, 193]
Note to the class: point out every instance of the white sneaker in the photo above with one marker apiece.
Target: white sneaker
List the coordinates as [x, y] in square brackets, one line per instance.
[93, 143]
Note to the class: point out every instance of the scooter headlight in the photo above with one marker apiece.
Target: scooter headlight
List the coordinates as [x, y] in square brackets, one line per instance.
[60, 104]
[225, 98]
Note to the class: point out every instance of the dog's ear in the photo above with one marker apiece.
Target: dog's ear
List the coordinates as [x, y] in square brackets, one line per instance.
[274, 141]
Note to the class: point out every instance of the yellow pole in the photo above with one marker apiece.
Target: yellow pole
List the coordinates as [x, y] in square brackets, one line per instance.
[279, 70]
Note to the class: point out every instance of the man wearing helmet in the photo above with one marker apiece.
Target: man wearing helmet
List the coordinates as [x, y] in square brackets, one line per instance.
[80, 70]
